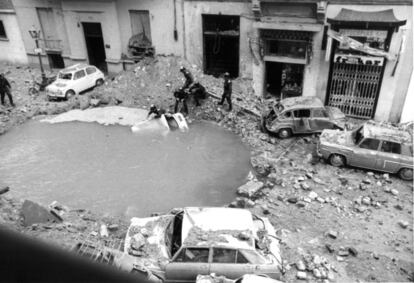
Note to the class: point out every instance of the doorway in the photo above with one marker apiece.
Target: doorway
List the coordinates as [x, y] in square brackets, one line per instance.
[95, 45]
[284, 80]
[221, 38]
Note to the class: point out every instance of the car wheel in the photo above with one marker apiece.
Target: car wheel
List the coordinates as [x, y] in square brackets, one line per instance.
[337, 160]
[406, 174]
[285, 133]
[69, 93]
[99, 82]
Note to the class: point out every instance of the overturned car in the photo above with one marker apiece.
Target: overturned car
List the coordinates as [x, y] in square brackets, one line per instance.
[301, 115]
[179, 246]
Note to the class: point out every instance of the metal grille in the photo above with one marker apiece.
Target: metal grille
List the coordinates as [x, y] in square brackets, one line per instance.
[354, 89]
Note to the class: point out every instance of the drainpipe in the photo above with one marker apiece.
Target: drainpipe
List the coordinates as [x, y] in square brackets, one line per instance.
[183, 18]
[175, 20]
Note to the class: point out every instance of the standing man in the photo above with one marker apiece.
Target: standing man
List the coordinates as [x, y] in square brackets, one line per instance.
[181, 96]
[226, 91]
[188, 78]
[5, 89]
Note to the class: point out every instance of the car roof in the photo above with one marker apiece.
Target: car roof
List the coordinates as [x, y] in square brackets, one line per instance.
[386, 132]
[301, 102]
[217, 226]
[74, 68]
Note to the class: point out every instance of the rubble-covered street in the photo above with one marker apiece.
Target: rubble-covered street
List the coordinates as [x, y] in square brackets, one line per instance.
[335, 224]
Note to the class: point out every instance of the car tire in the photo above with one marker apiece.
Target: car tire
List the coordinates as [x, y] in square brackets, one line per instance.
[406, 174]
[99, 82]
[337, 160]
[284, 133]
[69, 93]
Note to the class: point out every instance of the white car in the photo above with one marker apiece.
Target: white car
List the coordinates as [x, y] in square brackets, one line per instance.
[73, 80]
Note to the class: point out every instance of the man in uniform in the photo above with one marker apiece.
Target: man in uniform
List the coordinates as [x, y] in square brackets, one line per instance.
[181, 96]
[5, 89]
[227, 88]
[157, 112]
[188, 78]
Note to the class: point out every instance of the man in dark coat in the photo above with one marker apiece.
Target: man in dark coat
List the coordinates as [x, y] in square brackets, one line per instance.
[188, 78]
[5, 90]
[181, 96]
[227, 88]
[198, 91]
[157, 112]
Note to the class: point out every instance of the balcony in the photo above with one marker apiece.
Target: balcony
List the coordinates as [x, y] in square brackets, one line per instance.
[51, 45]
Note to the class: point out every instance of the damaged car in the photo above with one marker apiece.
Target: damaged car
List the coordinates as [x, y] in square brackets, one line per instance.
[301, 115]
[370, 146]
[179, 246]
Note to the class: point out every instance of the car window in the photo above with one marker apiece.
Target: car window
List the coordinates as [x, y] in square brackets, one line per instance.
[321, 113]
[252, 257]
[241, 258]
[302, 113]
[286, 115]
[369, 144]
[192, 255]
[79, 74]
[90, 70]
[391, 147]
[406, 150]
[65, 76]
[224, 255]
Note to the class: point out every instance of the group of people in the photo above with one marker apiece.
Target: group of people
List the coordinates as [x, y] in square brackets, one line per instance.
[196, 90]
[5, 90]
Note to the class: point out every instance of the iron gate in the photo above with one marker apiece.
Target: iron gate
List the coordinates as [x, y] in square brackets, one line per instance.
[354, 88]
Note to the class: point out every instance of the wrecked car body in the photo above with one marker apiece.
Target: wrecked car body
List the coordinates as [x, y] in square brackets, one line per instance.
[370, 146]
[248, 278]
[301, 115]
[191, 241]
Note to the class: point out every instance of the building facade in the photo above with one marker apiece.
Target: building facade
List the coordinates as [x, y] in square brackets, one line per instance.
[288, 48]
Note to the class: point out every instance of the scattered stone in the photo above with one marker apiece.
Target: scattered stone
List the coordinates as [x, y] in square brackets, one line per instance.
[330, 248]
[387, 189]
[321, 200]
[317, 273]
[306, 199]
[379, 184]
[403, 224]
[333, 234]
[367, 181]
[34, 213]
[301, 204]
[371, 174]
[265, 209]
[292, 199]
[363, 187]
[300, 265]
[343, 252]
[398, 206]
[300, 179]
[305, 186]
[366, 200]
[312, 195]
[94, 233]
[331, 276]
[309, 175]
[353, 251]
[344, 181]
[361, 209]
[318, 181]
[394, 192]
[113, 227]
[4, 190]
[339, 258]
[301, 275]
[250, 188]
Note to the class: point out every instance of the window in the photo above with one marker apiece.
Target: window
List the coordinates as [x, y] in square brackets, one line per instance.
[320, 113]
[369, 144]
[228, 256]
[67, 76]
[193, 255]
[287, 115]
[3, 34]
[287, 48]
[90, 70]
[391, 147]
[302, 113]
[224, 255]
[79, 74]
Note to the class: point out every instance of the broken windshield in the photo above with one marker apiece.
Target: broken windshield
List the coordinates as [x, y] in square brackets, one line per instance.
[65, 76]
[279, 107]
[357, 135]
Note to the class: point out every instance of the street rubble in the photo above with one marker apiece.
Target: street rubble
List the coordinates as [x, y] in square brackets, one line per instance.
[335, 224]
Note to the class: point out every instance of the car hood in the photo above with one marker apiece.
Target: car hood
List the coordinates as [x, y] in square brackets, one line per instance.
[58, 84]
[145, 240]
[336, 115]
[336, 137]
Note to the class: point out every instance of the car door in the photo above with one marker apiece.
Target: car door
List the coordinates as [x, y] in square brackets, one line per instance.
[320, 120]
[187, 264]
[92, 76]
[79, 81]
[230, 263]
[389, 157]
[365, 153]
[301, 121]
